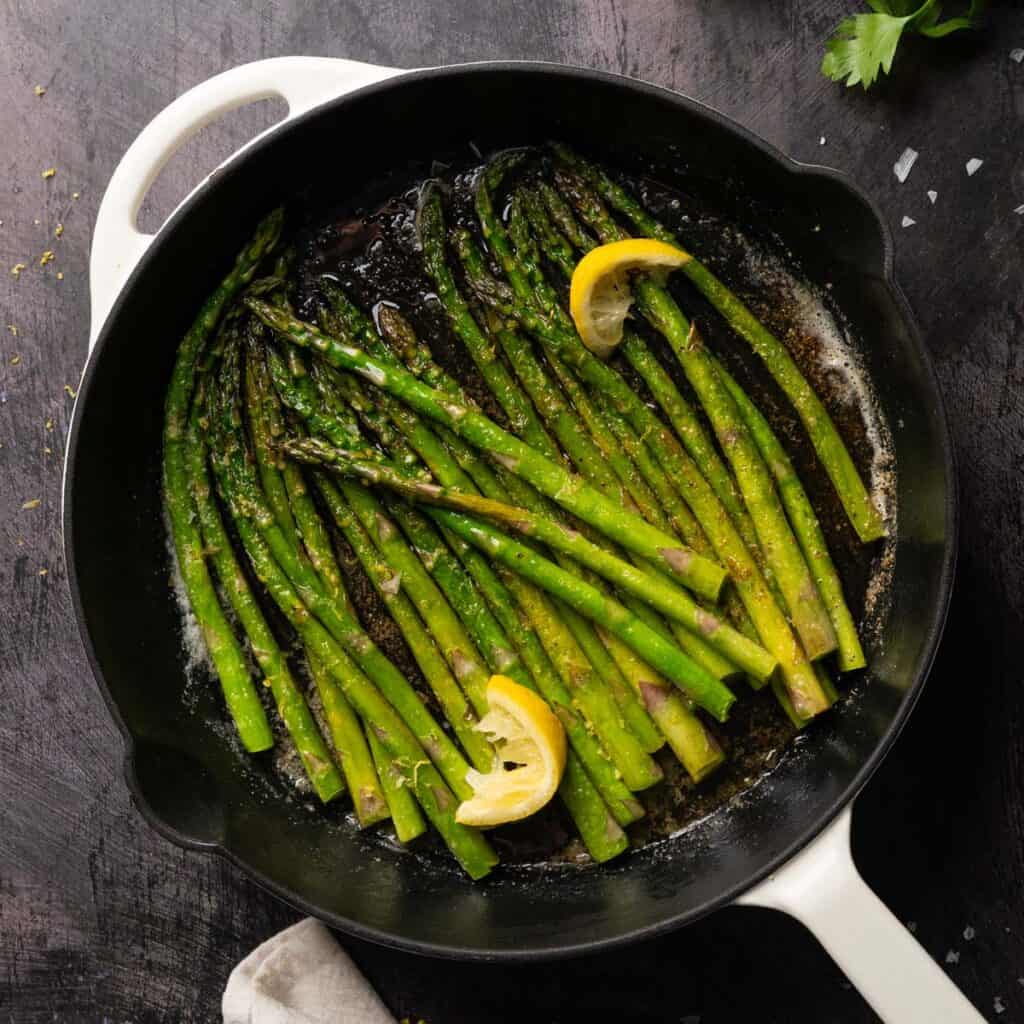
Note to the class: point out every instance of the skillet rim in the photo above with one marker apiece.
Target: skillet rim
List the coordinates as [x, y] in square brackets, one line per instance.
[933, 633]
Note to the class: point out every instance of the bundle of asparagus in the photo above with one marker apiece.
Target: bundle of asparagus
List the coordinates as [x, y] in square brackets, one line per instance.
[627, 565]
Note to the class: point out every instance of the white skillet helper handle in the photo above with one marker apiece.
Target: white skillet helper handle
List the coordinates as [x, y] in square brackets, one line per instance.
[302, 82]
[820, 886]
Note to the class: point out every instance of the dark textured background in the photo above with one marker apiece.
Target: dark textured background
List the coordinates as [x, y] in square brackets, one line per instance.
[100, 919]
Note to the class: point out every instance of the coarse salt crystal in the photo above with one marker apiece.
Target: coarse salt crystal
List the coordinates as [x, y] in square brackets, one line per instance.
[969, 933]
[998, 1005]
[904, 164]
[973, 165]
[932, 196]
[1019, 210]
[821, 141]
[908, 222]
[1017, 55]
[952, 957]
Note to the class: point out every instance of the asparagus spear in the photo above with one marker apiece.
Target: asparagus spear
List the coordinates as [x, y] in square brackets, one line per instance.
[781, 551]
[449, 631]
[425, 441]
[266, 430]
[393, 588]
[439, 460]
[601, 839]
[696, 747]
[693, 743]
[804, 521]
[456, 646]
[653, 588]
[584, 801]
[832, 452]
[291, 705]
[585, 599]
[564, 420]
[599, 825]
[239, 693]
[652, 646]
[286, 494]
[638, 770]
[768, 618]
[422, 645]
[547, 476]
[553, 222]
[438, 802]
[336, 616]
[503, 591]
[780, 547]
[405, 812]
[689, 739]
[368, 797]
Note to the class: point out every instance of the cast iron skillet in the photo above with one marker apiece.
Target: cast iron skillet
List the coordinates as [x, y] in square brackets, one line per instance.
[188, 780]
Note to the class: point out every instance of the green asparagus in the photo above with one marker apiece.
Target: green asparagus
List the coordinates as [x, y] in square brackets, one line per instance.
[833, 453]
[402, 744]
[653, 588]
[239, 693]
[805, 524]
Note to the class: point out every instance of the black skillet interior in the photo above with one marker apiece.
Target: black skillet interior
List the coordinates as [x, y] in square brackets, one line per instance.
[187, 777]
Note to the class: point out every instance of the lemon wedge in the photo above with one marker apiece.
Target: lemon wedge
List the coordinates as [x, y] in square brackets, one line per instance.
[600, 296]
[528, 735]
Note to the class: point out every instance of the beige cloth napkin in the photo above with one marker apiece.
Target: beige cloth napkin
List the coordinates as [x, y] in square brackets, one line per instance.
[301, 976]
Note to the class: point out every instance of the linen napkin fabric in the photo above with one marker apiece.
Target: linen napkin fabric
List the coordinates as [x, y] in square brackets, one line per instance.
[301, 976]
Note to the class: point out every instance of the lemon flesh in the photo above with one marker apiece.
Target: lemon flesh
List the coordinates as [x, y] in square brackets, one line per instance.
[600, 295]
[528, 735]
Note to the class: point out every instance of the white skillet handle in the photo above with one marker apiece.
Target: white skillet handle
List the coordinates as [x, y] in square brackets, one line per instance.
[822, 888]
[302, 82]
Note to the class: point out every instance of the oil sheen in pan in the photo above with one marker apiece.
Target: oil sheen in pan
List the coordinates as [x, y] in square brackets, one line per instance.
[374, 256]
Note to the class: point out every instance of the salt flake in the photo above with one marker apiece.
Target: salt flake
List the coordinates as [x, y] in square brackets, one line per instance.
[952, 957]
[973, 165]
[908, 222]
[932, 196]
[904, 164]
[1017, 55]
[821, 141]
[998, 1005]
[969, 933]
[1019, 210]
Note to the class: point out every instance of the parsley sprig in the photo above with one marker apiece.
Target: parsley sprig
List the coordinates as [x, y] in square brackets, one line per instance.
[864, 45]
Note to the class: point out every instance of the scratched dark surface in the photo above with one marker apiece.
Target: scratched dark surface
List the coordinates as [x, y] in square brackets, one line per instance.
[100, 918]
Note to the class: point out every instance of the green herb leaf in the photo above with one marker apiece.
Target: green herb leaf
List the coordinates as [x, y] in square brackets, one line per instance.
[944, 28]
[864, 45]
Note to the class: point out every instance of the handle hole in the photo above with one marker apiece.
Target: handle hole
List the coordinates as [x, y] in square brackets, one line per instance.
[197, 157]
